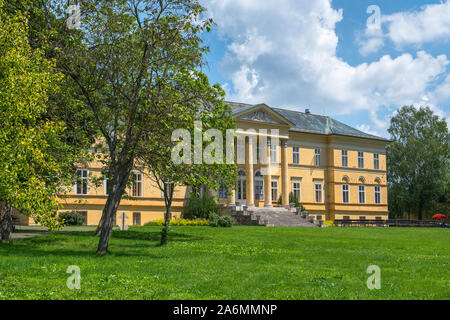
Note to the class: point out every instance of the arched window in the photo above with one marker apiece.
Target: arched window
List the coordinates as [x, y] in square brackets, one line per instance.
[259, 186]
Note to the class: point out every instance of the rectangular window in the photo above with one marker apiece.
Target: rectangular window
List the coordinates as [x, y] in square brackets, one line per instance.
[346, 217]
[107, 186]
[136, 218]
[295, 155]
[317, 157]
[376, 161]
[377, 194]
[258, 152]
[362, 218]
[223, 193]
[296, 189]
[344, 158]
[273, 153]
[318, 192]
[378, 218]
[345, 193]
[319, 218]
[84, 215]
[137, 185]
[360, 159]
[82, 182]
[362, 194]
[274, 190]
[259, 190]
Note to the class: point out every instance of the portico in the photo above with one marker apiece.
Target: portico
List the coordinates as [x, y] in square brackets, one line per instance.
[256, 176]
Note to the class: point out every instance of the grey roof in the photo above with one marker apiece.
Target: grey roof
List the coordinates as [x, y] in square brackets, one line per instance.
[310, 123]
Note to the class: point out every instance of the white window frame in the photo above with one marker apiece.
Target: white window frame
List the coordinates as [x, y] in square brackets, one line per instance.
[259, 184]
[344, 155]
[376, 161]
[272, 188]
[295, 154]
[294, 189]
[106, 186]
[360, 159]
[361, 189]
[138, 181]
[375, 194]
[316, 190]
[346, 191]
[135, 214]
[273, 153]
[86, 178]
[317, 157]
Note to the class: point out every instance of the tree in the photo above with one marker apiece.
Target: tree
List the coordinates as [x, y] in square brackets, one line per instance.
[33, 154]
[191, 99]
[418, 161]
[120, 62]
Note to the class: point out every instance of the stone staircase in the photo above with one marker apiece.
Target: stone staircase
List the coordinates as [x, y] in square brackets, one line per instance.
[269, 217]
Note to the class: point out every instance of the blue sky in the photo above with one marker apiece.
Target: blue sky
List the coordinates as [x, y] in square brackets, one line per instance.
[326, 56]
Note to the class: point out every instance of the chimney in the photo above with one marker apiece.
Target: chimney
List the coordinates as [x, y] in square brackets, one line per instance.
[307, 111]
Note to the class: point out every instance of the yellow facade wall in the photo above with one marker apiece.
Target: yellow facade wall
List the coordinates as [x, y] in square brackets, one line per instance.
[330, 173]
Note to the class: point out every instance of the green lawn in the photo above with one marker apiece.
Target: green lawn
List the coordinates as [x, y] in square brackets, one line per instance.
[235, 263]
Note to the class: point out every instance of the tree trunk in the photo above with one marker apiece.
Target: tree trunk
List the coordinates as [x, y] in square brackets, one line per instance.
[168, 196]
[6, 221]
[106, 224]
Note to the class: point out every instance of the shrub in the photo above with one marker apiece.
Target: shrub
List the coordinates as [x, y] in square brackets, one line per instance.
[329, 223]
[179, 222]
[71, 218]
[200, 208]
[220, 221]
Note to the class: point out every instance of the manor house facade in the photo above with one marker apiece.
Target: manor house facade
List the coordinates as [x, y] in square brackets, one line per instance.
[334, 170]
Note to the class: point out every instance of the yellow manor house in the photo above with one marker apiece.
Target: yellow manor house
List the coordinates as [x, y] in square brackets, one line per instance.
[334, 170]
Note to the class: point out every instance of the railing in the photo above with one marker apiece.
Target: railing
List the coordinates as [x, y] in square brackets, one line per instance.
[387, 223]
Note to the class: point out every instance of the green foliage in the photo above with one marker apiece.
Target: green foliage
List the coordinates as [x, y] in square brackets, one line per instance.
[180, 222]
[418, 162]
[71, 218]
[216, 221]
[31, 164]
[293, 199]
[200, 207]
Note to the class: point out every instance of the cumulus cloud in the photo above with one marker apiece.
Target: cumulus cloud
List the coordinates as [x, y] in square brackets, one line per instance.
[283, 53]
[430, 23]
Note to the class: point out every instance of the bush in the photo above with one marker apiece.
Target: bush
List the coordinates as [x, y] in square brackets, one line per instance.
[200, 208]
[220, 221]
[329, 223]
[71, 218]
[179, 222]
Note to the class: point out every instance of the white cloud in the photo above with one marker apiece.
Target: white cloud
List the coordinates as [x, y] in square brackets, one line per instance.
[430, 23]
[283, 52]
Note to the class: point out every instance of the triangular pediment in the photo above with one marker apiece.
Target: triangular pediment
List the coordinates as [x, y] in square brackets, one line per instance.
[264, 114]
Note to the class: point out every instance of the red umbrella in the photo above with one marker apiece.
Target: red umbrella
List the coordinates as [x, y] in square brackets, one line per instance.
[439, 216]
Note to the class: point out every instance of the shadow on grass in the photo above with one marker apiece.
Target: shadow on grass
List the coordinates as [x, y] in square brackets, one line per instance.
[55, 244]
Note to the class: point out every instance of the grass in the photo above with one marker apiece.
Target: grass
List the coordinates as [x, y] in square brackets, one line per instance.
[232, 263]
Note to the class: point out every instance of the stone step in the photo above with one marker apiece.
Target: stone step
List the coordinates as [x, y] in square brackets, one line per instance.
[273, 217]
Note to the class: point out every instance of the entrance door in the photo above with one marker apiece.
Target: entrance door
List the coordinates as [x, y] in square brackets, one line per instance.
[241, 194]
